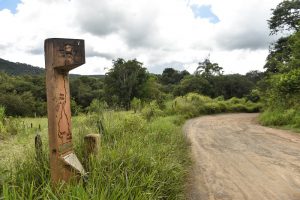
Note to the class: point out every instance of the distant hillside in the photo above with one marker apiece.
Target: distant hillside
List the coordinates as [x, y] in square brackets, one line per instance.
[16, 69]
[12, 68]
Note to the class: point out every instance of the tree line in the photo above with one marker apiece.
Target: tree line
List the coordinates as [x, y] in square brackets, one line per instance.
[25, 95]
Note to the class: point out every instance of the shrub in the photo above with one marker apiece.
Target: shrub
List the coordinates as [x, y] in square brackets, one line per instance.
[254, 96]
[197, 99]
[97, 109]
[97, 106]
[237, 107]
[192, 105]
[235, 100]
[151, 110]
[183, 107]
[8, 125]
[211, 108]
[222, 106]
[253, 107]
[2, 115]
[279, 117]
[136, 105]
[219, 98]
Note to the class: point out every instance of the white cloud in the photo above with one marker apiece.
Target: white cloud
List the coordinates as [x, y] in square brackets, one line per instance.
[158, 33]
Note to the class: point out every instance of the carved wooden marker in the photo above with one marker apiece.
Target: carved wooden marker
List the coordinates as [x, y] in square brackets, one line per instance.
[61, 56]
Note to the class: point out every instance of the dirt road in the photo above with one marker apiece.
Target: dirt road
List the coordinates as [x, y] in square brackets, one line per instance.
[235, 158]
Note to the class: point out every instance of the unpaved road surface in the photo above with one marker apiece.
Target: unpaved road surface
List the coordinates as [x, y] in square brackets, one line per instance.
[236, 158]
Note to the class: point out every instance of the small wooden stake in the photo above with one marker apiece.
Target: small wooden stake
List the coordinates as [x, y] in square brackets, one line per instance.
[38, 148]
[92, 144]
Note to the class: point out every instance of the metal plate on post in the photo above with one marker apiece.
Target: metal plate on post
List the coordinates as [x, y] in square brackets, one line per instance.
[72, 160]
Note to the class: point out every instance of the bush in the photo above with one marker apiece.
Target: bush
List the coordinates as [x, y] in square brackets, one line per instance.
[223, 107]
[97, 106]
[193, 105]
[136, 104]
[235, 100]
[183, 107]
[8, 125]
[280, 118]
[219, 98]
[2, 115]
[211, 108]
[151, 110]
[254, 96]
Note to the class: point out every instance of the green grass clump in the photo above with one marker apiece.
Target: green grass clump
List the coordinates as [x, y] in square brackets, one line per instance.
[139, 159]
[193, 105]
[151, 110]
[143, 154]
[278, 117]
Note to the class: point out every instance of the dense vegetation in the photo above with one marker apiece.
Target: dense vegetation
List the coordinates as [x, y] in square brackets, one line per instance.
[25, 95]
[143, 154]
[280, 88]
[139, 159]
[143, 151]
[12, 68]
[139, 115]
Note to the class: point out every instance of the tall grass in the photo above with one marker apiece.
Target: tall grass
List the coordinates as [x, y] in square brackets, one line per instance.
[2, 116]
[193, 105]
[139, 159]
[281, 117]
[143, 154]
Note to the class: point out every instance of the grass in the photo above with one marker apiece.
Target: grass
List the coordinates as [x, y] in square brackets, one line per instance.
[193, 105]
[280, 118]
[143, 155]
[139, 159]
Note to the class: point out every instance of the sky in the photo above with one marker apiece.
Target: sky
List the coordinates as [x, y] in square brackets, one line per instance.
[158, 33]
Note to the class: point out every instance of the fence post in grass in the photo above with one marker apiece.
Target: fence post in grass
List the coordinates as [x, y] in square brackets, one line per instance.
[38, 148]
[92, 144]
[61, 56]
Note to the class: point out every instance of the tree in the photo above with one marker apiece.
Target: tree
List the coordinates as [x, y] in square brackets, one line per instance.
[285, 16]
[152, 90]
[84, 89]
[284, 55]
[231, 85]
[280, 53]
[254, 76]
[280, 89]
[208, 69]
[125, 80]
[172, 76]
[193, 83]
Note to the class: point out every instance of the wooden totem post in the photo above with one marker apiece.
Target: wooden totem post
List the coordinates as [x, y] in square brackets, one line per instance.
[61, 56]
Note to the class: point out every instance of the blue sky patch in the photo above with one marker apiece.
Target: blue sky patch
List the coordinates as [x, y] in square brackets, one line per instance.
[9, 4]
[204, 11]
